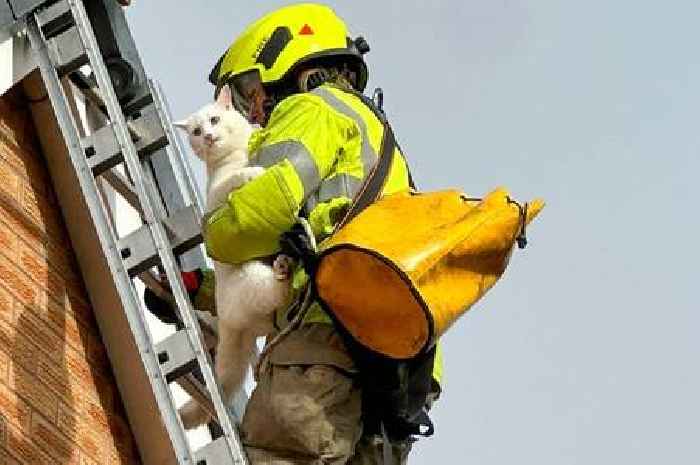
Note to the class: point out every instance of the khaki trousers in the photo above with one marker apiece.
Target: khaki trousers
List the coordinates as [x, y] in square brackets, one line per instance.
[306, 407]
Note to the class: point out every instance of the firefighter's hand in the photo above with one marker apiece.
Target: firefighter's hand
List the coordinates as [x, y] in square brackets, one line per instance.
[162, 308]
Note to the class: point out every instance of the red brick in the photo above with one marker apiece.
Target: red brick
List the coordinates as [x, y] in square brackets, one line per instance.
[66, 326]
[58, 397]
[74, 382]
[60, 255]
[16, 126]
[67, 418]
[6, 459]
[96, 427]
[80, 308]
[3, 433]
[55, 377]
[97, 415]
[31, 204]
[30, 323]
[10, 183]
[97, 355]
[13, 408]
[33, 264]
[97, 432]
[20, 446]
[78, 368]
[92, 444]
[17, 158]
[9, 242]
[25, 353]
[38, 216]
[31, 389]
[7, 333]
[86, 460]
[98, 386]
[4, 366]
[26, 163]
[49, 439]
[28, 233]
[17, 283]
[7, 303]
[54, 250]
[38, 269]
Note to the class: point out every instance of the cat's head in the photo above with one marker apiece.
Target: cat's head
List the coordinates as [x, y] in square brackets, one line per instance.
[217, 130]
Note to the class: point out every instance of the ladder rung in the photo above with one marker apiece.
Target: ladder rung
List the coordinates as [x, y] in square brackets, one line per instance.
[102, 150]
[148, 129]
[67, 52]
[141, 97]
[139, 252]
[102, 147]
[176, 356]
[58, 25]
[214, 453]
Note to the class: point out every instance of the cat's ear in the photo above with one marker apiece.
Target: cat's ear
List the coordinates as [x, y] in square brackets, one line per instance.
[182, 124]
[224, 98]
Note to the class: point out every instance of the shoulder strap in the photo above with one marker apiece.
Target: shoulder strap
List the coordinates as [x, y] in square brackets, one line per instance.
[374, 183]
[381, 116]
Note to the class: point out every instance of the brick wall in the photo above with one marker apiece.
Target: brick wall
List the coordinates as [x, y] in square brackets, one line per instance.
[58, 399]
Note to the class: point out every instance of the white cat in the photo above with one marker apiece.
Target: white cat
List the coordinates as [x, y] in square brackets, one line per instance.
[247, 294]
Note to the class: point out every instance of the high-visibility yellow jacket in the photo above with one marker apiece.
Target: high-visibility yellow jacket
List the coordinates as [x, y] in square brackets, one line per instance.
[317, 148]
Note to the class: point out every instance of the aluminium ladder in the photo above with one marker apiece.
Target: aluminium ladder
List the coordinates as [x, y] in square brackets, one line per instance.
[130, 140]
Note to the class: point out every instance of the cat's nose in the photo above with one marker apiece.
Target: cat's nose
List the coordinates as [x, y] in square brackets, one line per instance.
[210, 138]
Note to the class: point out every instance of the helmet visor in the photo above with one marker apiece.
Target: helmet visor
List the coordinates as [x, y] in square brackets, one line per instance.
[244, 88]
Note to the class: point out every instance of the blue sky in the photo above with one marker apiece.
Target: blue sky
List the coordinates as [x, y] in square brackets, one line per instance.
[587, 351]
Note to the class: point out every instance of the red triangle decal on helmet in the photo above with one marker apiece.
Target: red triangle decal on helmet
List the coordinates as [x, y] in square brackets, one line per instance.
[306, 30]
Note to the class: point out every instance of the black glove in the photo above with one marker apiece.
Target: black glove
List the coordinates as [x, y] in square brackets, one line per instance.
[163, 309]
[296, 243]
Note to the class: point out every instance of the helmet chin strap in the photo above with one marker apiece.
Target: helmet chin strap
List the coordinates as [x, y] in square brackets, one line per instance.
[312, 78]
[263, 102]
[261, 106]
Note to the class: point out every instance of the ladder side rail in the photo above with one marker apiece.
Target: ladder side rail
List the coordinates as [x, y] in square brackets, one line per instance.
[108, 243]
[158, 233]
[181, 169]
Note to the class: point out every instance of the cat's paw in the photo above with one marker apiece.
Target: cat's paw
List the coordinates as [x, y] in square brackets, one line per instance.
[282, 267]
[252, 172]
[193, 415]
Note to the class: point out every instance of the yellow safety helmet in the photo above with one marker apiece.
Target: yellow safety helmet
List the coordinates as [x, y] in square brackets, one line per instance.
[271, 48]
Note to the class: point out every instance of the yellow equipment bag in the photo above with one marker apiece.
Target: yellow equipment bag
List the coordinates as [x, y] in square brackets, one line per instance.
[404, 269]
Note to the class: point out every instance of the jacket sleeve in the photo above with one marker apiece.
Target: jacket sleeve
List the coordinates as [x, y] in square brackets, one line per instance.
[299, 148]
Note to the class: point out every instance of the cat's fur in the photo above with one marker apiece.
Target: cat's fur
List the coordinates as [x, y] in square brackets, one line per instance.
[247, 294]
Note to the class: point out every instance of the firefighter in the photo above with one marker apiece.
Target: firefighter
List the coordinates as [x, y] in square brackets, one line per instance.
[298, 74]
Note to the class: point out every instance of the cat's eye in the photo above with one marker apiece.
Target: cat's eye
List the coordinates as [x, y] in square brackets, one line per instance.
[197, 131]
[214, 120]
